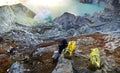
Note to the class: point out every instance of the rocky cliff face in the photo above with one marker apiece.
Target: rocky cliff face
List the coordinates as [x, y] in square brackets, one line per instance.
[110, 4]
[99, 23]
[10, 16]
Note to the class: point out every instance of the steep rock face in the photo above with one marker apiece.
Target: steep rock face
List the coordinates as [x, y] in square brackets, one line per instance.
[15, 14]
[19, 8]
[11, 11]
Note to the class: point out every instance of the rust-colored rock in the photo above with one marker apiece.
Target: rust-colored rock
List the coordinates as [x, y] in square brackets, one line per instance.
[2, 51]
[5, 63]
[98, 37]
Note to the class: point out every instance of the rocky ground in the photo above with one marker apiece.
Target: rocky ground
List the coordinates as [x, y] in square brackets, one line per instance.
[81, 63]
[34, 45]
[40, 60]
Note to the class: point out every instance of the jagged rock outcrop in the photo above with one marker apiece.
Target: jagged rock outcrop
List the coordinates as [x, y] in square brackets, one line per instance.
[69, 21]
[110, 4]
[100, 22]
[66, 24]
[22, 36]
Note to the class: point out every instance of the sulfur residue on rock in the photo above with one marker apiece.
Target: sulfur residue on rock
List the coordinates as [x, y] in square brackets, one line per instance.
[110, 61]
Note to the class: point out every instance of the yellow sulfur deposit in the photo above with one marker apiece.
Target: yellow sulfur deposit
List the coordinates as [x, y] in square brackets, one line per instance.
[68, 53]
[26, 20]
[95, 57]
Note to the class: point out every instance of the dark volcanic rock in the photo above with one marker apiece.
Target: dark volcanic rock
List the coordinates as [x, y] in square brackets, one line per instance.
[69, 21]
[110, 4]
[103, 22]
[1, 39]
[66, 20]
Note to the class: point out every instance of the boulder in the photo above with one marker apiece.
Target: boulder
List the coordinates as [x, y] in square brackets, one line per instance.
[41, 51]
[17, 68]
[66, 20]
[63, 66]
